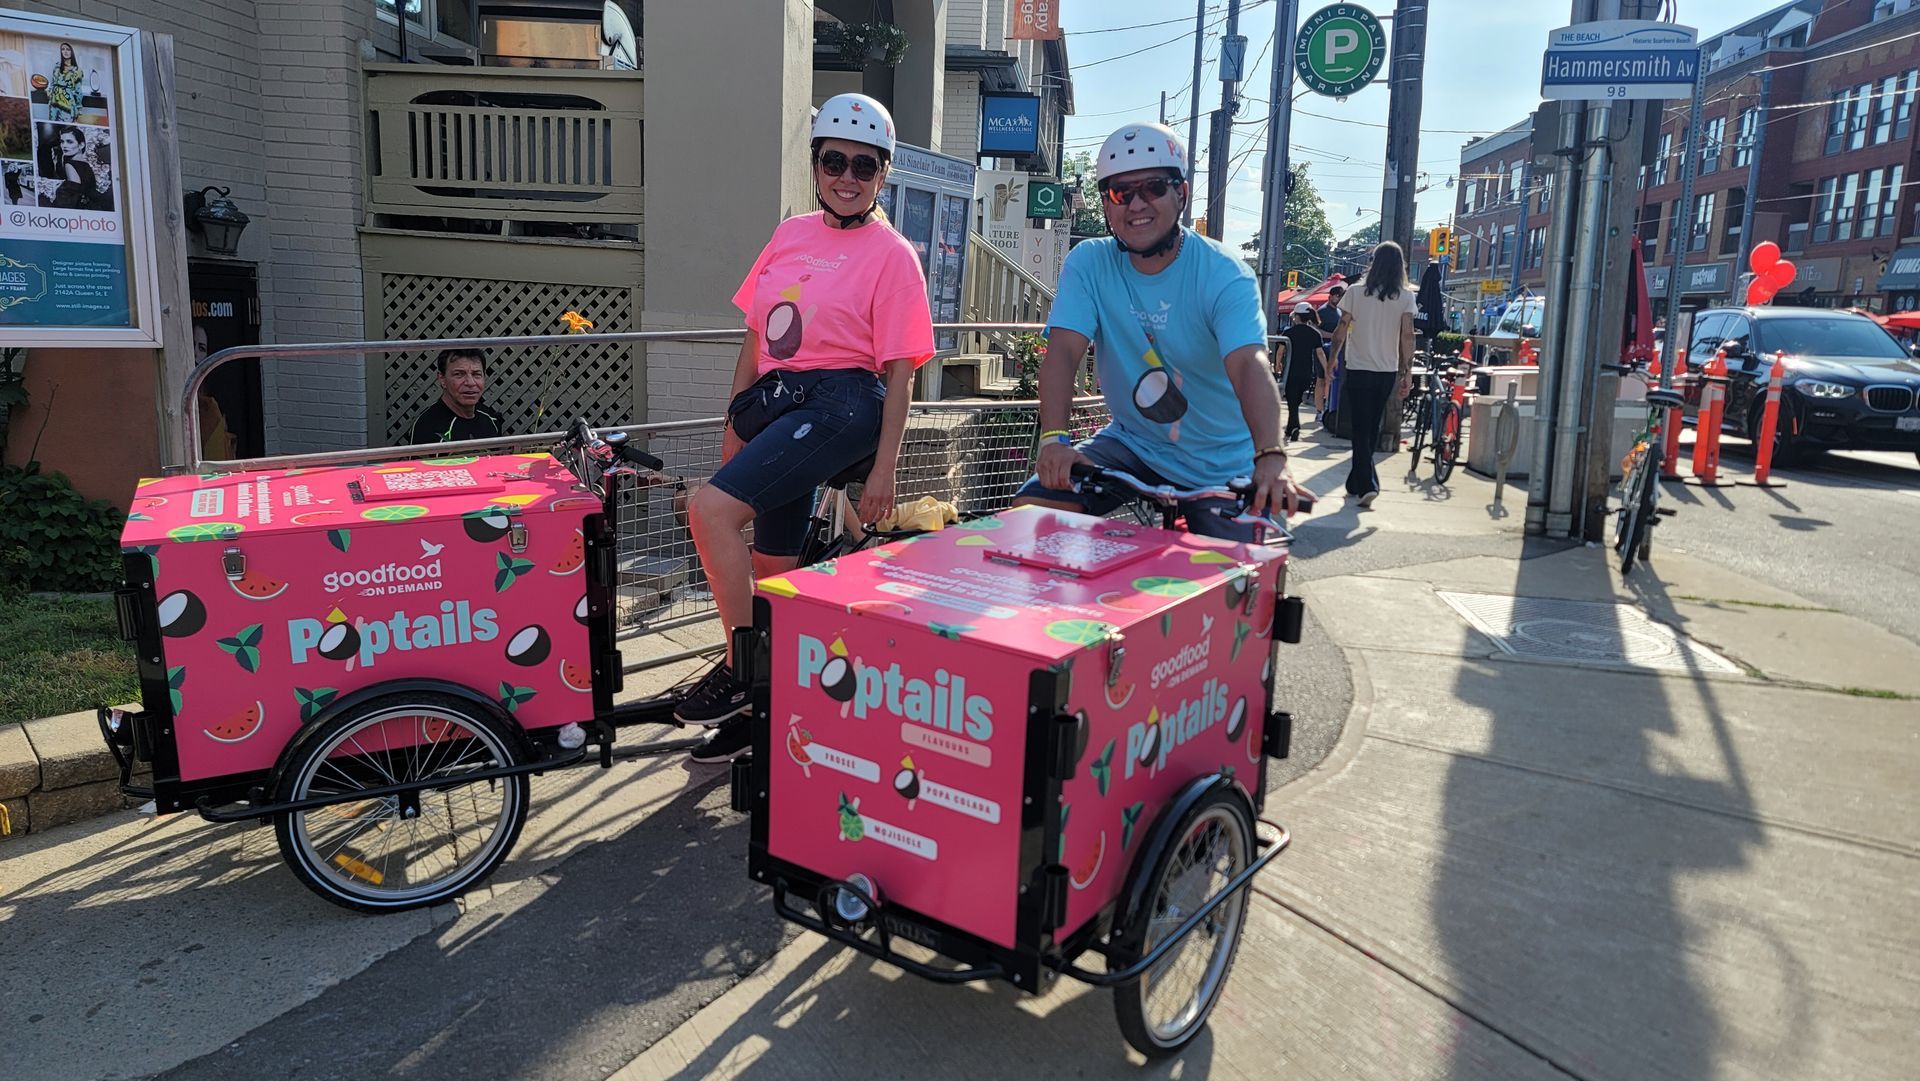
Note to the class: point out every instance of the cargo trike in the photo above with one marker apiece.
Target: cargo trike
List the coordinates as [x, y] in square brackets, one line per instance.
[1008, 743]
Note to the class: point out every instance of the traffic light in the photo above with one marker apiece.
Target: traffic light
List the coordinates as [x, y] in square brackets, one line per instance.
[1440, 242]
[1293, 279]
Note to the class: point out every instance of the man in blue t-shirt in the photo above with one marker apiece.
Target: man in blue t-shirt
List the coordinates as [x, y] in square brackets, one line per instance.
[1182, 350]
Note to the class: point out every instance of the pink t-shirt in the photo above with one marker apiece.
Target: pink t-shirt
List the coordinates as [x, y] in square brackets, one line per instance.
[822, 297]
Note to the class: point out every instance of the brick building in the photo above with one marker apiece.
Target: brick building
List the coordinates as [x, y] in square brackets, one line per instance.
[1500, 222]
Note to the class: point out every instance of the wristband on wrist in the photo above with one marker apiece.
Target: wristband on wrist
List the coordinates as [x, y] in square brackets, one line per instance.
[1056, 434]
[1259, 454]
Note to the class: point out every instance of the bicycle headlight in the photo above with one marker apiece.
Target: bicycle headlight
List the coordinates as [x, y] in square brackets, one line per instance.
[1815, 388]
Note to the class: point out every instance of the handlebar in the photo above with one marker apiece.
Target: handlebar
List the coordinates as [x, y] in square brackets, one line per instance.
[1239, 489]
[593, 458]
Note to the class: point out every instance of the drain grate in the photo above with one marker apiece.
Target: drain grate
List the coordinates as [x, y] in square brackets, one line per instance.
[1583, 632]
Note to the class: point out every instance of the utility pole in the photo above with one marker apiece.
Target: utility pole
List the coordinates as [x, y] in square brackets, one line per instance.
[1220, 142]
[1278, 175]
[1397, 196]
[1586, 299]
[1689, 169]
[1163, 106]
[1520, 230]
[1753, 192]
[1193, 104]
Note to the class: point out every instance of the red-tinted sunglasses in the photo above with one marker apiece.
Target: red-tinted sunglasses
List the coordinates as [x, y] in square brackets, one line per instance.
[1121, 192]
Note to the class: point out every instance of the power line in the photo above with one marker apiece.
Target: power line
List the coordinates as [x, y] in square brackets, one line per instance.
[1170, 41]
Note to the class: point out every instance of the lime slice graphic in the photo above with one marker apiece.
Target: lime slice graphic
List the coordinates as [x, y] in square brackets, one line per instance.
[1166, 587]
[392, 514]
[200, 531]
[448, 461]
[981, 524]
[1079, 632]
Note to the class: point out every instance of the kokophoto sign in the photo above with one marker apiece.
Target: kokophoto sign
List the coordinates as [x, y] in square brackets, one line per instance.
[1620, 60]
[76, 233]
[1340, 50]
[1009, 125]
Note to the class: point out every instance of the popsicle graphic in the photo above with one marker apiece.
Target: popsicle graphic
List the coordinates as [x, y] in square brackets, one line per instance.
[803, 748]
[855, 826]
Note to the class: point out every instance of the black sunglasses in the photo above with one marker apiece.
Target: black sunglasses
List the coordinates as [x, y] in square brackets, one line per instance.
[1121, 192]
[865, 168]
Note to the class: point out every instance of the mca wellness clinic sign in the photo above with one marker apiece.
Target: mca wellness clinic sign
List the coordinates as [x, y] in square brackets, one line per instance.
[1009, 125]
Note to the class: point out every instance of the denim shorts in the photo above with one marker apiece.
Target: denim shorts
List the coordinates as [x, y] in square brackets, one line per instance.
[1106, 450]
[830, 420]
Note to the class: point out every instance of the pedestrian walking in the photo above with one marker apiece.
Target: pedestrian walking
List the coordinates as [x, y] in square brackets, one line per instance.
[1307, 364]
[1375, 340]
[1329, 319]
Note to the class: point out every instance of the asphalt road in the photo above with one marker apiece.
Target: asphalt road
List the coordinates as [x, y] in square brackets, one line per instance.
[1844, 531]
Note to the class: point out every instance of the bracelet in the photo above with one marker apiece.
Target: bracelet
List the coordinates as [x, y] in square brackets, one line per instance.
[1259, 454]
[1062, 434]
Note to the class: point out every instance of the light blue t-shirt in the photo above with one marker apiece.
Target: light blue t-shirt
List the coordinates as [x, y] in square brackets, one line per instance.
[1173, 406]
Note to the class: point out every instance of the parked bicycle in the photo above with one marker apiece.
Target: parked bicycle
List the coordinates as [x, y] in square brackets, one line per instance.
[1441, 391]
[1640, 471]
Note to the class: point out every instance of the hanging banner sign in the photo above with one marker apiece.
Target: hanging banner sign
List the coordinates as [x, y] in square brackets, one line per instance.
[1620, 60]
[1035, 20]
[76, 231]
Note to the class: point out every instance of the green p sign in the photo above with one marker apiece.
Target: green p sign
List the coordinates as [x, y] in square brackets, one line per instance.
[1340, 50]
[1046, 200]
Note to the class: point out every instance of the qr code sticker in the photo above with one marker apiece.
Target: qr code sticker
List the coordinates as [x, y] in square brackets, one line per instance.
[429, 479]
[1080, 548]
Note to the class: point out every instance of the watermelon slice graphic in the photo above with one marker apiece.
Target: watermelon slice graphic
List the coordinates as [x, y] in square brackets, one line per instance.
[240, 726]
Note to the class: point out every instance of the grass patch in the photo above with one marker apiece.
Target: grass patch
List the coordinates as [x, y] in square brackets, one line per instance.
[1875, 692]
[1754, 604]
[62, 654]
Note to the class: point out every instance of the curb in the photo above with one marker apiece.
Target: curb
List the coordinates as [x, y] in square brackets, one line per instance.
[55, 771]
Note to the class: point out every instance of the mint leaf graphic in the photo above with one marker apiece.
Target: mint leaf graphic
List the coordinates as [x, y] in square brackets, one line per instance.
[312, 701]
[340, 538]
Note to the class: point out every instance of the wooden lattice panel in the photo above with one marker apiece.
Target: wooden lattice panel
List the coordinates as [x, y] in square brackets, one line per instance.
[535, 389]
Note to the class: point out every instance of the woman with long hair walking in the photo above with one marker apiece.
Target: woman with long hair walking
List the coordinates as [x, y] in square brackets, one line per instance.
[1376, 330]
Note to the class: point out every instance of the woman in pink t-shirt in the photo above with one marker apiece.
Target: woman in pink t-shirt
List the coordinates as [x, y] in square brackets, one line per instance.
[837, 321]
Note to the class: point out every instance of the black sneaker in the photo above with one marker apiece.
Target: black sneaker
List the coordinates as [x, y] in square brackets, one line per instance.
[715, 698]
[725, 743]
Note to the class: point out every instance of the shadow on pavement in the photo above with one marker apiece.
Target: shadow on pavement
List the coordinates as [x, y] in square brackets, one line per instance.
[1558, 901]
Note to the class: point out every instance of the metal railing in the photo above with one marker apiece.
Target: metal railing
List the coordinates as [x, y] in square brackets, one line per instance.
[973, 455]
[508, 143]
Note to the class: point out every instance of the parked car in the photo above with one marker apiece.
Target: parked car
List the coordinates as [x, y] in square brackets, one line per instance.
[1523, 319]
[1848, 384]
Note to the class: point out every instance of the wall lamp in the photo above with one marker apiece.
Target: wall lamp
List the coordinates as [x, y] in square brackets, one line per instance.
[217, 220]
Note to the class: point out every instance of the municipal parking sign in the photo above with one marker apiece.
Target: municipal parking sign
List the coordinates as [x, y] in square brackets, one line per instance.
[1340, 50]
[1620, 60]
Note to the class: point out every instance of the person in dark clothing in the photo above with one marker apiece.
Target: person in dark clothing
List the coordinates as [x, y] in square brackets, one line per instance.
[459, 414]
[1306, 364]
[1329, 318]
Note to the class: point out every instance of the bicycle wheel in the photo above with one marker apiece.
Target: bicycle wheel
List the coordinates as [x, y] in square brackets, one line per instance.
[1446, 442]
[388, 853]
[1633, 522]
[1422, 422]
[1163, 1010]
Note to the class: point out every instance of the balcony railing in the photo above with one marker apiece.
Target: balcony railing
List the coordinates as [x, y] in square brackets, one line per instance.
[504, 143]
[998, 290]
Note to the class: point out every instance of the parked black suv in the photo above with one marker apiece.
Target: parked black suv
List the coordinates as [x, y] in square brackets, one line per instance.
[1848, 385]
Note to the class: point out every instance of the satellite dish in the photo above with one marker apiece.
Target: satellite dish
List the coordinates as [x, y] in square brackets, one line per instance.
[618, 43]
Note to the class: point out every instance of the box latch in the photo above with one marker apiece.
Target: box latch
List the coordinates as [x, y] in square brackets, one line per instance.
[234, 562]
[517, 536]
[1116, 656]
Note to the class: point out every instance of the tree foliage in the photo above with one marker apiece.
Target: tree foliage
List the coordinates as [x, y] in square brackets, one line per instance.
[1088, 220]
[1309, 233]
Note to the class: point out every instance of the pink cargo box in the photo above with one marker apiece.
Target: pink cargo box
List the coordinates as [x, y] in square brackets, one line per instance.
[263, 602]
[985, 722]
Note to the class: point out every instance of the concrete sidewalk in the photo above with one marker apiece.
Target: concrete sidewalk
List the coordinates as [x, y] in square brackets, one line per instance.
[1510, 868]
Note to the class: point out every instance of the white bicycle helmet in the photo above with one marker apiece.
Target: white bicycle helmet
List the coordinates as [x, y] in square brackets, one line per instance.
[855, 117]
[1140, 146]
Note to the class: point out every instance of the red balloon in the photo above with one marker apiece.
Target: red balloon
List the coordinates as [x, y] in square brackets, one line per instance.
[1758, 293]
[1781, 275]
[1763, 257]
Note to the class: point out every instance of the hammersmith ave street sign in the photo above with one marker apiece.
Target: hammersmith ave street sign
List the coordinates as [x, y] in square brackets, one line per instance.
[1340, 50]
[1620, 60]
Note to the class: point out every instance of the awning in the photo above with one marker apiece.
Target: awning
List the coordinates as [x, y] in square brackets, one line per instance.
[1903, 270]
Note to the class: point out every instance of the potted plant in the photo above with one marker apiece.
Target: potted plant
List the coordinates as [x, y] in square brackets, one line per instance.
[867, 43]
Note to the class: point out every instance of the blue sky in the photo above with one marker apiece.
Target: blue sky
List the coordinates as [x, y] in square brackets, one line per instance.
[1482, 74]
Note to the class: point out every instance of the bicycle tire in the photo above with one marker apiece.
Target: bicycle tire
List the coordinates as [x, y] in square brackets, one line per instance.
[1633, 522]
[1446, 442]
[1422, 422]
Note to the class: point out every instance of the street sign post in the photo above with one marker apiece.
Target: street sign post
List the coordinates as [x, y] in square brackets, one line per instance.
[1619, 60]
[1045, 199]
[1340, 49]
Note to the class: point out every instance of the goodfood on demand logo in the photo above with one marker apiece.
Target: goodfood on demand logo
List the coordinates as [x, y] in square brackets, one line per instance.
[418, 577]
[941, 702]
[336, 639]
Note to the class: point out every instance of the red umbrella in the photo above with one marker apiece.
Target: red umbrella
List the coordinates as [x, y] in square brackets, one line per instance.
[1636, 343]
[1899, 320]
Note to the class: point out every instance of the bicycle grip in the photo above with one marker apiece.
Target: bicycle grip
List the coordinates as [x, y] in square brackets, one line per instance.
[640, 457]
